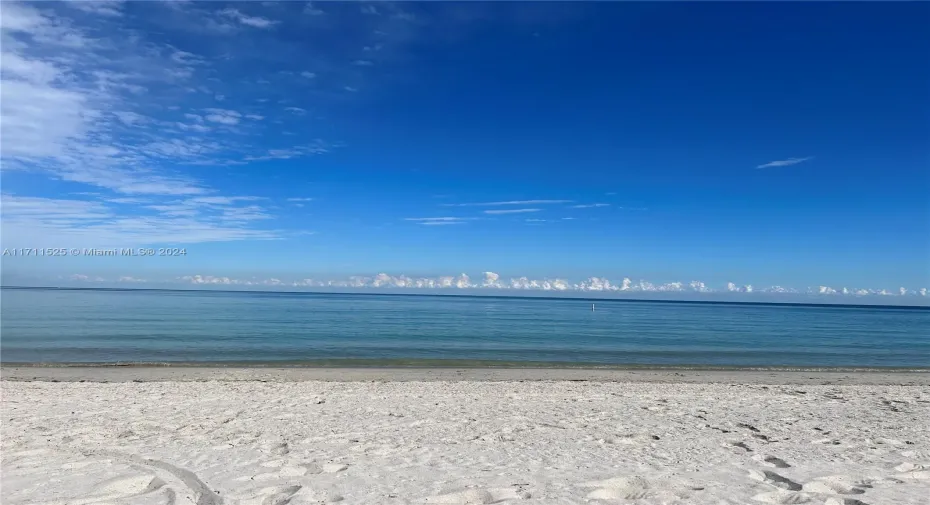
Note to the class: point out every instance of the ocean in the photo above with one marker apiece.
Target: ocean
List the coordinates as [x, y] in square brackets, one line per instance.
[40, 325]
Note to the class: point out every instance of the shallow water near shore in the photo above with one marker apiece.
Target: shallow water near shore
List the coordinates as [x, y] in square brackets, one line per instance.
[304, 329]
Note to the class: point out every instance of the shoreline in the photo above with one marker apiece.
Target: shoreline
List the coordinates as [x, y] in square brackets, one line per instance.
[240, 373]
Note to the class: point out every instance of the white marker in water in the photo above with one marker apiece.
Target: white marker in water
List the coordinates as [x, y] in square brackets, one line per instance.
[592, 307]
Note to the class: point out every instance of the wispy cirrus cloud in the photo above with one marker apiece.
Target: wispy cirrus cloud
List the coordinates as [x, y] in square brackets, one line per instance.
[369, 9]
[253, 21]
[510, 211]
[312, 9]
[88, 99]
[507, 202]
[51, 222]
[590, 205]
[439, 221]
[99, 7]
[785, 163]
[300, 151]
[70, 103]
[223, 116]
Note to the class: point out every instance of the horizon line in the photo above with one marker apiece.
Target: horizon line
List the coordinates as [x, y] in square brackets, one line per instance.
[496, 296]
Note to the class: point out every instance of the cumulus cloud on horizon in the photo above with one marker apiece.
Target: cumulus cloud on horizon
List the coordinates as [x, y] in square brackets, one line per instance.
[494, 281]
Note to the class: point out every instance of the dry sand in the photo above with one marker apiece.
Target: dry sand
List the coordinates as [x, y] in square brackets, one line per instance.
[267, 437]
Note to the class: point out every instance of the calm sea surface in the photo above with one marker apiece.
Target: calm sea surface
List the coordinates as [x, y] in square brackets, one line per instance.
[49, 325]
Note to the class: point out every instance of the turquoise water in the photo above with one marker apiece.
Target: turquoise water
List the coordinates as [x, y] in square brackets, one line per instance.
[103, 326]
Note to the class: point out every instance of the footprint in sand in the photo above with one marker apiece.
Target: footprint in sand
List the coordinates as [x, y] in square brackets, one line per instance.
[280, 449]
[134, 489]
[836, 484]
[910, 467]
[637, 488]
[741, 445]
[287, 469]
[278, 495]
[142, 489]
[79, 465]
[34, 458]
[312, 468]
[774, 479]
[771, 461]
[293, 494]
[916, 454]
[281, 496]
[844, 501]
[622, 488]
[782, 497]
[913, 471]
[334, 468]
[293, 471]
[477, 496]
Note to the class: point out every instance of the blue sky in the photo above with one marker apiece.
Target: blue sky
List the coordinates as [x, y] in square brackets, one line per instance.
[763, 144]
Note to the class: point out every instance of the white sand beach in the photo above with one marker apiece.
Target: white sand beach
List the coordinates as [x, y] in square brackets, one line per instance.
[253, 437]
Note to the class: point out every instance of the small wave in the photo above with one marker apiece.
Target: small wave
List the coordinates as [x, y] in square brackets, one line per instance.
[417, 363]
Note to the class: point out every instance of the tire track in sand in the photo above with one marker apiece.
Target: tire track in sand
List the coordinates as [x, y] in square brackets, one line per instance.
[203, 494]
